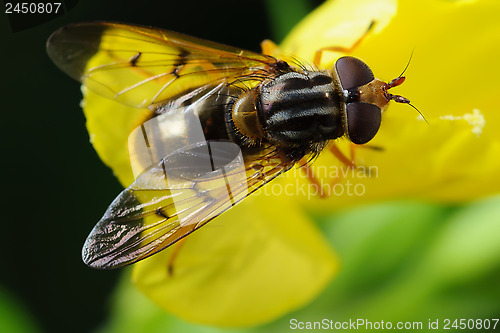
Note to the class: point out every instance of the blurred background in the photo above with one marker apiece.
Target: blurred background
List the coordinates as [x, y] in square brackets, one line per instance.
[56, 188]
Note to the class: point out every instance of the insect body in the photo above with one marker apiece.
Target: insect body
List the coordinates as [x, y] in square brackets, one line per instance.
[223, 123]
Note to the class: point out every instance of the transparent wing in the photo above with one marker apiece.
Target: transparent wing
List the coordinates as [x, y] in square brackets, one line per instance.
[140, 66]
[182, 180]
[177, 196]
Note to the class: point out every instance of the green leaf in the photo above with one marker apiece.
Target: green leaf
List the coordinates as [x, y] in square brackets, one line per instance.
[14, 318]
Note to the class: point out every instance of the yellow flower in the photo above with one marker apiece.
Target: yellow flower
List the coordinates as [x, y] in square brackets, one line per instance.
[451, 79]
[265, 257]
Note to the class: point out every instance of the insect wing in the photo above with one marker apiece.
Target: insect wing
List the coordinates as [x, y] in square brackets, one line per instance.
[182, 181]
[177, 126]
[140, 66]
[183, 192]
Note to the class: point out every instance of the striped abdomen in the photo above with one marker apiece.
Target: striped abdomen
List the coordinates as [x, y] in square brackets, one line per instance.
[301, 107]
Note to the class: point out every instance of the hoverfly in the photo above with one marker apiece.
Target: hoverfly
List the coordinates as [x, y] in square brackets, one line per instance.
[223, 123]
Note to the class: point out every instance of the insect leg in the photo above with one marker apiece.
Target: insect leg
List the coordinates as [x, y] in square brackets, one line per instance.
[175, 253]
[306, 168]
[319, 52]
[327, 190]
[349, 162]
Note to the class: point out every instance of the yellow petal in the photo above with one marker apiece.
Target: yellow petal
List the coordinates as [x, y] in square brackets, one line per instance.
[337, 23]
[451, 79]
[109, 124]
[260, 260]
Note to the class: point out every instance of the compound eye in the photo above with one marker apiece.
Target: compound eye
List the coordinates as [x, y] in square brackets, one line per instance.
[353, 72]
[363, 121]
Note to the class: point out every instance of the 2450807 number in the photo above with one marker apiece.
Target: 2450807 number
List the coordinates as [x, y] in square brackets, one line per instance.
[462, 324]
[32, 8]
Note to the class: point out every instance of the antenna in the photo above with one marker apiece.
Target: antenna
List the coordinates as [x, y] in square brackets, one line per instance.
[408, 64]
